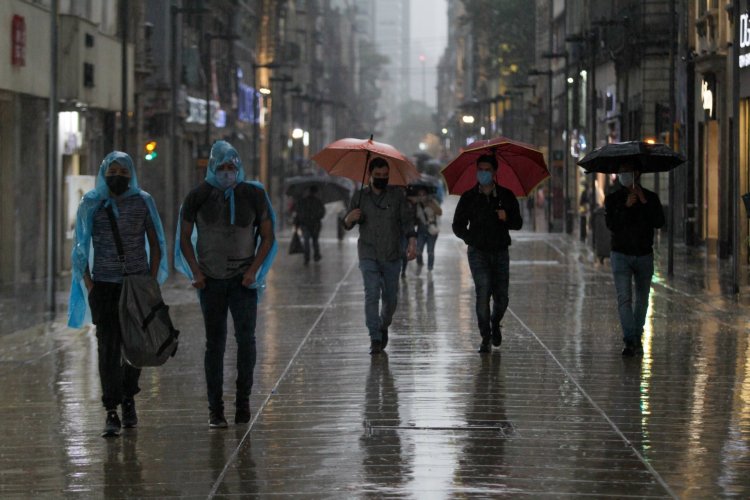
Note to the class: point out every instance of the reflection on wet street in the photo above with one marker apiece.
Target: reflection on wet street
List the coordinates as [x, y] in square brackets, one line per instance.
[555, 411]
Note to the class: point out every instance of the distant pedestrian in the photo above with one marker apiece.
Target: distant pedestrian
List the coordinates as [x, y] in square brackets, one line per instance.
[116, 195]
[428, 226]
[483, 216]
[411, 204]
[310, 212]
[632, 214]
[230, 216]
[383, 217]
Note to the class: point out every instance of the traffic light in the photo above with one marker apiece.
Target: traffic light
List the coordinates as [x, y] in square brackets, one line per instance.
[151, 152]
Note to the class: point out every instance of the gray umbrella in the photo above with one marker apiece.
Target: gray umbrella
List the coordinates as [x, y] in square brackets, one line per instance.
[642, 156]
[330, 189]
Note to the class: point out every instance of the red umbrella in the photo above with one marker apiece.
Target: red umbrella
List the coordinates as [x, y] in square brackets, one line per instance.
[521, 167]
[349, 158]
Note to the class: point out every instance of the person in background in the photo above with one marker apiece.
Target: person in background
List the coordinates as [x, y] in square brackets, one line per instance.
[427, 211]
[632, 214]
[310, 212]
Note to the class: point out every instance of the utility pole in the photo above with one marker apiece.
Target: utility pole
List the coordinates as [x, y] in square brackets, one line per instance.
[124, 76]
[672, 120]
[52, 177]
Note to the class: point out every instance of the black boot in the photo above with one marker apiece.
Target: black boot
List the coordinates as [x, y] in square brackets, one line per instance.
[129, 416]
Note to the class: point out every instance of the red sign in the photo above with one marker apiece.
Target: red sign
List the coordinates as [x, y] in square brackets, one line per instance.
[18, 41]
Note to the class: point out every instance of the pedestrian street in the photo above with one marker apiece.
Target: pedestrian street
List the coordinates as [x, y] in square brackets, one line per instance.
[555, 411]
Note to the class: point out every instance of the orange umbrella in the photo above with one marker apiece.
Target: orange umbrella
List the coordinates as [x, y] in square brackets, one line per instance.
[349, 158]
[521, 167]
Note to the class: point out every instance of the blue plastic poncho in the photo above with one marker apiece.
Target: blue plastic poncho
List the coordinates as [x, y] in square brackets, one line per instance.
[222, 153]
[82, 255]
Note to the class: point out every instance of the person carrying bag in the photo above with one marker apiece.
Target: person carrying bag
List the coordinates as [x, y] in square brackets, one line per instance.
[99, 264]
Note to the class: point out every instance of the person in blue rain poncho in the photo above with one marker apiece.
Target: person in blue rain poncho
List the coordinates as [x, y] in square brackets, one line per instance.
[226, 247]
[98, 274]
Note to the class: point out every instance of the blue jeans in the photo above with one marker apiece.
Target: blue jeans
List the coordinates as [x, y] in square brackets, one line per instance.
[425, 238]
[381, 282]
[491, 273]
[217, 298]
[632, 307]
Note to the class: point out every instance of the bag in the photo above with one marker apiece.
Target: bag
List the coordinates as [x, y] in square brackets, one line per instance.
[296, 246]
[148, 336]
[433, 228]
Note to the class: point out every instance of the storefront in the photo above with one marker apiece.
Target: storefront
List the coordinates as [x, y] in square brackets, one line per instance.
[744, 129]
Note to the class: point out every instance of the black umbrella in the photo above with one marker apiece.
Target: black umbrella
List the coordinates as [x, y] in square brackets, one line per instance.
[330, 189]
[642, 156]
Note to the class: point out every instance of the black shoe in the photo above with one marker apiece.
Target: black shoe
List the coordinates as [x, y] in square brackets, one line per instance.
[497, 335]
[383, 338]
[317, 258]
[376, 347]
[629, 350]
[112, 425]
[129, 416]
[639, 348]
[242, 413]
[485, 345]
[420, 262]
[216, 420]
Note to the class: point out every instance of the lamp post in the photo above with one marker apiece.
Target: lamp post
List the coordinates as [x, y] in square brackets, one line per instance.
[256, 121]
[548, 73]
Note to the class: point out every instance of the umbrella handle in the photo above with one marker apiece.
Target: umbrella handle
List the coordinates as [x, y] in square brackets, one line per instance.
[364, 173]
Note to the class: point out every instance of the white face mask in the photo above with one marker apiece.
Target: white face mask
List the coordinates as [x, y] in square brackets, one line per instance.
[626, 178]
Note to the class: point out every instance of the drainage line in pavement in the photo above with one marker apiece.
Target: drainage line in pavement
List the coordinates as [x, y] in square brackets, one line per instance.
[233, 456]
[598, 408]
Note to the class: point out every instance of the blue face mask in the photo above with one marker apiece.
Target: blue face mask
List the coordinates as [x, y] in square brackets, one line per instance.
[485, 177]
[226, 178]
[626, 178]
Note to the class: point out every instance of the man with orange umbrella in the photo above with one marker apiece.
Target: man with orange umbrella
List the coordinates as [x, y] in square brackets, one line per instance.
[482, 219]
[383, 217]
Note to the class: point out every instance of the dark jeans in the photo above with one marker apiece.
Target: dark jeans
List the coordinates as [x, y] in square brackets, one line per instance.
[425, 238]
[381, 281]
[311, 233]
[119, 379]
[632, 302]
[490, 271]
[217, 299]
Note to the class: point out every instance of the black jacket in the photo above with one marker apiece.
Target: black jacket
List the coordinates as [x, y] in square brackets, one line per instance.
[475, 220]
[633, 227]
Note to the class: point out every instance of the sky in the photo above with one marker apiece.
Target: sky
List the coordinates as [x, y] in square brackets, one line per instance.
[429, 32]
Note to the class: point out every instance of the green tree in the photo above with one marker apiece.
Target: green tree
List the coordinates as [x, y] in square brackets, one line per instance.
[505, 36]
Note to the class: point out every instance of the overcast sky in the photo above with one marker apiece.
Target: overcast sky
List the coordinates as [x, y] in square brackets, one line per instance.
[429, 28]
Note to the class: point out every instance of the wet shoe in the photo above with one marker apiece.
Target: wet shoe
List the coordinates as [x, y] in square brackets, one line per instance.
[383, 338]
[497, 335]
[629, 350]
[242, 414]
[485, 345]
[129, 416]
[376, 347]
[216, 420]
[112, 425]
[317, 258]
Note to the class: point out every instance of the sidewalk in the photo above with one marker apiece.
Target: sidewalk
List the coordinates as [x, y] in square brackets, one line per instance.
[556, 411]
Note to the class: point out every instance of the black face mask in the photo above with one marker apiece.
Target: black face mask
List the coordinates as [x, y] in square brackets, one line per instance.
[379, 183]
[118, 184]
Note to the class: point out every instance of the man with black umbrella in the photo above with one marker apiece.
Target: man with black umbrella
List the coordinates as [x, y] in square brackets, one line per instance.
[632, 214]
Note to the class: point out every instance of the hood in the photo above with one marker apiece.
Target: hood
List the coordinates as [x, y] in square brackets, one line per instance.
[222, 152]
[123, 159]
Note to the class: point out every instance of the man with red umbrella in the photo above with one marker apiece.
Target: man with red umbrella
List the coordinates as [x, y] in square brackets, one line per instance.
[383, 217]
[483, 218]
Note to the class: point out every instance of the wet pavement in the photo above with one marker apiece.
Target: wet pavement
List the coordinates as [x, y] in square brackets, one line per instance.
[556, 411]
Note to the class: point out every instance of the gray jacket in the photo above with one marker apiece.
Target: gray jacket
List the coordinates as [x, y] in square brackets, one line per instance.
[386, 219]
